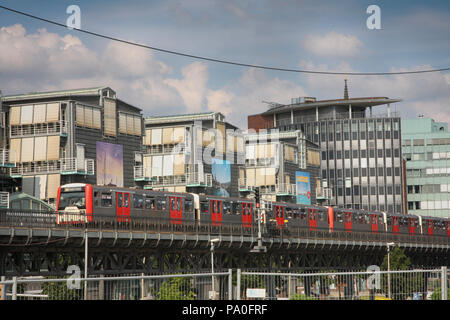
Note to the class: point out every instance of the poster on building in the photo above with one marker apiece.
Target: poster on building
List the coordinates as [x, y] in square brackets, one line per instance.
[303, 187]
[109, 164]
[221, 174]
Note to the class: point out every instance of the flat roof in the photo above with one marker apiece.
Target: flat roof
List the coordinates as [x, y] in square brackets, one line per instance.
[355, 102]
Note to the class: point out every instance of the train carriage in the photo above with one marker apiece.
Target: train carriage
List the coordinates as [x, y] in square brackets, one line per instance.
[434, 226]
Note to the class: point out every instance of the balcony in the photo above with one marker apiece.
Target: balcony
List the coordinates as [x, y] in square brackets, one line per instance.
[188, 180]
[142, 174]
[7, 158]
[65, 166]
[39, 129]
[286, 189]
[324, 193]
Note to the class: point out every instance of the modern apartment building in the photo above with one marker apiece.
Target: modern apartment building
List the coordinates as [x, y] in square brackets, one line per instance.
[83, 135]
[426, 149]
[197, 153]
[360, 158]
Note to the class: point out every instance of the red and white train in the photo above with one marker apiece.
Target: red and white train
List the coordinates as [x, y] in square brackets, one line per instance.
[123, 205]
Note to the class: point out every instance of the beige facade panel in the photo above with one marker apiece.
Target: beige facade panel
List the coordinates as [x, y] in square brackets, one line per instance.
[230, 143]
[96, 118]
[26, 115]
[14, 116]
[137, 126]
[130, 124]
[270, 176]
[250, 172]
[147, 164]
[208, 138]
[167, 135]
[178, 135]
[52, 112]
[180, 189]
[88, 121]
[110, 117]
[80, 116]
[53, 148]
[221, 136]
[156, 136]
[53, 182]
[240, 144]
[27, 149]
[39, 113]
[260, 176]
[147, 137]
[122, 123]
[40, 148]
[178, 164]
[16, 147]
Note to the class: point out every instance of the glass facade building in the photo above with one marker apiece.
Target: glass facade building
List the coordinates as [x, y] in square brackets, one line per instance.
[426, 149]
[360, 154]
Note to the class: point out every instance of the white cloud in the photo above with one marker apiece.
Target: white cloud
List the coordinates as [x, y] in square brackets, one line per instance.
[333, 44]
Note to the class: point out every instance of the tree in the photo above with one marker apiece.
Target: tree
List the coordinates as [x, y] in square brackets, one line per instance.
[176, 289]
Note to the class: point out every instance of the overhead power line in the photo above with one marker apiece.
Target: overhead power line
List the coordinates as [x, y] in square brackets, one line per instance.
[219, 60]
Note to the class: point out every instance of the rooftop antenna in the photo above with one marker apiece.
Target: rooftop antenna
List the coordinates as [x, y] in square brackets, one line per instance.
[345, 89]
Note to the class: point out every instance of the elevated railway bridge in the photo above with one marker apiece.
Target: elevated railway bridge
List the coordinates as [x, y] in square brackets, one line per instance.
[33, 243]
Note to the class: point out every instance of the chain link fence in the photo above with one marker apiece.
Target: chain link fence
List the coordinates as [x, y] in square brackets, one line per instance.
[371, 284]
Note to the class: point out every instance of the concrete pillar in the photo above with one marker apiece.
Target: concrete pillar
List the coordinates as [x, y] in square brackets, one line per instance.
[350, 111]
[317, 113]
[389, 110]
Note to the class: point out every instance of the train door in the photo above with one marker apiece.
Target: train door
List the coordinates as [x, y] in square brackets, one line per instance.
[123, 206]
[395, 225]
[312, 218]
[374, 222]
[430, 227]
[216, 212]
[448, 228]
[279, 215]
[348, 221]
[246, 214]
[412, 226]
[175, 208]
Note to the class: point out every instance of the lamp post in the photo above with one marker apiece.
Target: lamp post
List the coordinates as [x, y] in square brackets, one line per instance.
[389, 245]
[212, 265]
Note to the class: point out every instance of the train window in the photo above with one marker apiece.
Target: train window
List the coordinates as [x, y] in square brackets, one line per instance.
[289, 212]
[119, 200]
[367, 218]
[321, 216]
[161, 203]
[126, 199]
[96, 198]
[204, 207]
[380, 220]
[188, 206]
[236, 208]
[227, 207]
[149, 203]
[138, 201]
[106, 199]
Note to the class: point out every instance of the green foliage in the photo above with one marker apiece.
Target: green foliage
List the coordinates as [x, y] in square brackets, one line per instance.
[437, 294]
[176, 289]
[60, 291]
[298, 296]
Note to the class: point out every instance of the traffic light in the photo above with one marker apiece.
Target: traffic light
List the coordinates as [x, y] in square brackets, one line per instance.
[257, 197]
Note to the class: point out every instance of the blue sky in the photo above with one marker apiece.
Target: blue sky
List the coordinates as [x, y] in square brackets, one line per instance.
[319, 35]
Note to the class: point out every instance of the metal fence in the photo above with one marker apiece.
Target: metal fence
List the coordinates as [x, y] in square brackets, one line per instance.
[371, 284]
[206, 286]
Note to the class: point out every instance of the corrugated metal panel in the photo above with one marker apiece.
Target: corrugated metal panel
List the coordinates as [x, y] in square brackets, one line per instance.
[80, 116]
[130, 124]
[137, 126]
[26, 115]
[53, 182]
[88, 117]
[16, 146]
[110, 117]
[52, 112]
[53, 148]
[39, 113]
[14, 116]
[96, 118]
[40, 148]
[27, 149]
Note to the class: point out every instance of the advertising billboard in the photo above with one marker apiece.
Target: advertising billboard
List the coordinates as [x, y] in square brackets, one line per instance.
[303, 181]
[221, 174]
[109, 164]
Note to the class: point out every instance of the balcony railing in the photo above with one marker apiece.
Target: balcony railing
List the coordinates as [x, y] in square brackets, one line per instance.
[4, 200]
[7, 158]
[39, 129]
[324, 193]
[65, 166]
[142, 174]
[188, 179]
[286, 189]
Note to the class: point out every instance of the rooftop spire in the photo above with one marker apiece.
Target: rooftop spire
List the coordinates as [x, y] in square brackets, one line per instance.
[345, 90]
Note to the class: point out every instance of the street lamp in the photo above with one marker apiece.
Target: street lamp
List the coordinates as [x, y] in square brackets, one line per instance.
[212, 264]
[389, 245]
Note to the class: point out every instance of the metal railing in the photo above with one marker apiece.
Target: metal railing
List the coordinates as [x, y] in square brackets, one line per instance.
[286, 188]
[196, 286]
[39, 129]
[63, 166]
[4, 200]
[324, 193]
[370, 284]
[7, 158]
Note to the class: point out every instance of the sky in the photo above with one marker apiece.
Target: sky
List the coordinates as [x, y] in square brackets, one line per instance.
[294, 34]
